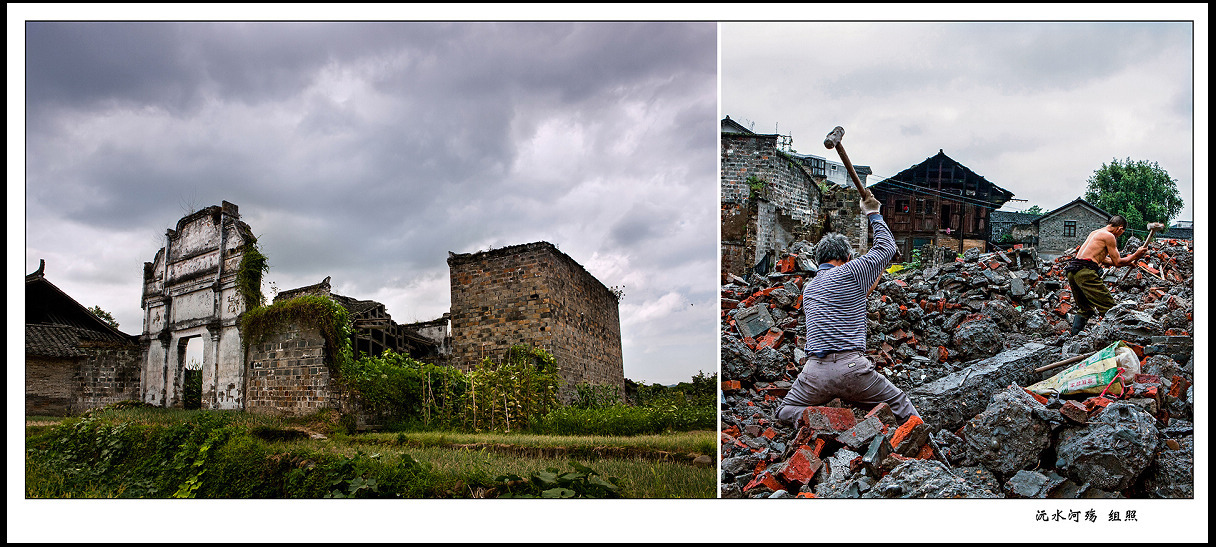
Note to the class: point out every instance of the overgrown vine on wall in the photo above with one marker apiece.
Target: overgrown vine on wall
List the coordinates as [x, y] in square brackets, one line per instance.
[249, 274]
[309, 311]
[755, 186]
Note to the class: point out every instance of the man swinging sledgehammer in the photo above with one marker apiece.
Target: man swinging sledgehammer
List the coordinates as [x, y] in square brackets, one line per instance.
[1084, 271]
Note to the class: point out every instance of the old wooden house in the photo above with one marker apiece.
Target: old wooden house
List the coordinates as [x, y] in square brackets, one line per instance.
[939, 201]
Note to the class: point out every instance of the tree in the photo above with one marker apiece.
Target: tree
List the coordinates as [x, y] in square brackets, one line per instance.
[1140, 191]
[1036, 210]
[104, 316]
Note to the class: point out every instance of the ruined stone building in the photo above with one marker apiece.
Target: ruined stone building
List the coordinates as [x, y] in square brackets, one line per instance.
[772, 197]
[536, 295]
[74, 361]
[939, 201]
[288, 373]
[190, 297]
[192, 303]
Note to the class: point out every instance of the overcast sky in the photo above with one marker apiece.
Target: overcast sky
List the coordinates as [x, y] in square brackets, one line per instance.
[1035, 108]
[368, 151]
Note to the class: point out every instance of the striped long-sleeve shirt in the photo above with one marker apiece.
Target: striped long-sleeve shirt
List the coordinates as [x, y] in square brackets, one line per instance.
[835, 299]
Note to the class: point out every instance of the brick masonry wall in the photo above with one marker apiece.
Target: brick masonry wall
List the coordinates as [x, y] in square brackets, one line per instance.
[788, 186]
[843, 204]
[287, 374]
[109, 374]
[1053, 242]
[62, 386]
[792, 201]
[50, 385]
[535, 295]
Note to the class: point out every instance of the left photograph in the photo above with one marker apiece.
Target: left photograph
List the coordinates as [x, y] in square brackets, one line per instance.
[269, 260]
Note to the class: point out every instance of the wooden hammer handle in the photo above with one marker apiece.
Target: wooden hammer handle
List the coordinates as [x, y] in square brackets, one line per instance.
[1068, 361]
[848, 165]
[1147, 240]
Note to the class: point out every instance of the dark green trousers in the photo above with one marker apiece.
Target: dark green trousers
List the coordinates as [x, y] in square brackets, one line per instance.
[1089, 292]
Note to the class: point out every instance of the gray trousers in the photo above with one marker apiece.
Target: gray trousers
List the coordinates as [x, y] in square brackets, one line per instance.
[849, 375]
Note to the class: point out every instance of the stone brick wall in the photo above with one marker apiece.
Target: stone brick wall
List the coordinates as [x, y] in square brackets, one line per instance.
[109, 374]
[287, 374]
[785, 209]
[534, 294]
[1053, 242]
[843, 207]
[787, 185]
[50, 385]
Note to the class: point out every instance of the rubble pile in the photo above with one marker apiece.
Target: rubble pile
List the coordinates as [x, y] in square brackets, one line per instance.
[961, 336]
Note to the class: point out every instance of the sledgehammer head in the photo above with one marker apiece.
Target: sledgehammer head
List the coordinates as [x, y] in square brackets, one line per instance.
[834, 137]
[1156, 227]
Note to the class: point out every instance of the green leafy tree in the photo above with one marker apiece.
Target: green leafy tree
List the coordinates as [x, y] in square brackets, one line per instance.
[1036, 210]
[1140, 190]
[104, 316]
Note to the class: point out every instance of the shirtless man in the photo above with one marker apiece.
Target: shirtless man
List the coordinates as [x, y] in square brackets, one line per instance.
[1088, 290]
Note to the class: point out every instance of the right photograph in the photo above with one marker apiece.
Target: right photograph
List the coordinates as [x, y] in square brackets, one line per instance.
[958, 261]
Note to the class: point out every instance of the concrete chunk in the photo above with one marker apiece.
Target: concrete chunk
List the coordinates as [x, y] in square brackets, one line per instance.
[1008, 435]
[1112, 451]
[948, 402]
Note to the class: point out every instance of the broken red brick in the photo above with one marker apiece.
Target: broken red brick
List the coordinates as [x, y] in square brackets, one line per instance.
[1095, 403]
[751, 343]
[820, 443]
[942, 353]
[1075, 411]
[771, 392]
[884, 414]
[733, 431]
[904, 430]
[769, 433]
[770, 340]
[828, 418]
[800, 467]
[1063, 308]
[1041, 399]
[766, 480]
[926, 452]
[1178, 387]
[731, 385]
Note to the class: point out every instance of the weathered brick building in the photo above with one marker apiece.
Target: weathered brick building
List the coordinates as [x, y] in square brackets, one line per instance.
[536, 295]
[288, 373]
[1067, 226]
[768, 200]
[73, 360]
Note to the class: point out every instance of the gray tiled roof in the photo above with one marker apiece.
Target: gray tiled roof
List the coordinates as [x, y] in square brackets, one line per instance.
[54, 340]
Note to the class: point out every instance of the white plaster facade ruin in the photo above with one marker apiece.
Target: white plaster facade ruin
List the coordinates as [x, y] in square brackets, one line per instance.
[190, 292]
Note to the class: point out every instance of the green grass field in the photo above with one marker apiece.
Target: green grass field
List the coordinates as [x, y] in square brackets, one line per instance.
[135, 453]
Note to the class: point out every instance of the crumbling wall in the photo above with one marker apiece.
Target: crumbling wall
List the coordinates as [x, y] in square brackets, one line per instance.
[779, 199]
[842, 211]
[190, 292]
[534, 294]
[288, 374]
